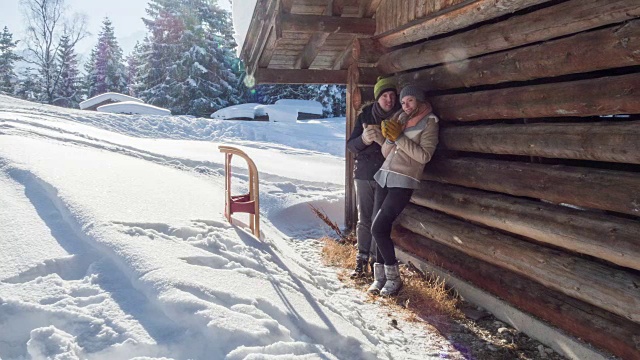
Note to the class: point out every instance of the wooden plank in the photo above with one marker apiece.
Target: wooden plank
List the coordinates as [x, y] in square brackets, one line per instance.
[602, 141]
[617, 47]
[329, 24]
[541, 25]
[576, 317]
[606, 287]
[585, 187]
[286, 6]
[592, 97]
[273, 38]
[306, 76]
[602, 236]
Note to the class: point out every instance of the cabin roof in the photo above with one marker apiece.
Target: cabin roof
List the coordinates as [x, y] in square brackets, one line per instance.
[305, 41]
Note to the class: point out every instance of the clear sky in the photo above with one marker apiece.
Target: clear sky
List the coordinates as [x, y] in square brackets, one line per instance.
[126, 16]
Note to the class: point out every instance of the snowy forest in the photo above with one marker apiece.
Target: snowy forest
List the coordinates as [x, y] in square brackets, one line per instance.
[187, 61]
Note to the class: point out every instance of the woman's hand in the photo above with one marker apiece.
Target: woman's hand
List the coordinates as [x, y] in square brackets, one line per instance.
[391, 129]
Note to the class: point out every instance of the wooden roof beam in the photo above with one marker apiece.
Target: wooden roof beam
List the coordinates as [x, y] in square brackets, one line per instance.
[305, 76]
[368, 8]
[328, 24]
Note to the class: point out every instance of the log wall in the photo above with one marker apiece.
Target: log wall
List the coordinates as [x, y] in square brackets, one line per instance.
[534, 193]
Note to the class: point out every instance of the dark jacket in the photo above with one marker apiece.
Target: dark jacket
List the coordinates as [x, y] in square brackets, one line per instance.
[368, 158]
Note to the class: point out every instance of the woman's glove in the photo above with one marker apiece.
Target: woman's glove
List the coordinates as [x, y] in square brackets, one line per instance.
[391, 129]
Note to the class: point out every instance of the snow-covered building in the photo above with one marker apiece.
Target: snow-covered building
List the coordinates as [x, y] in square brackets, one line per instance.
[133, 107]
[107, 98]
[284, 110]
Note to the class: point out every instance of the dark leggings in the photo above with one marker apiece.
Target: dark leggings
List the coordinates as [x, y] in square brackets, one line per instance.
[388, 204]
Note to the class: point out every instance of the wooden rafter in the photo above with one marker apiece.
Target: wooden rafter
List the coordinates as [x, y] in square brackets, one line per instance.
[285, 6]
[306, 76]
[310, 50]
[329, 24]
[368, 8]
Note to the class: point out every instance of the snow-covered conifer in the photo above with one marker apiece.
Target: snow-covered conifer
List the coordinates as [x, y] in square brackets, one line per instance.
[105, 69]
[67, 93]
[7, 61]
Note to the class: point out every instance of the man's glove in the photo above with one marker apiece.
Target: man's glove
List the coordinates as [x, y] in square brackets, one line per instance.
[391, 129]
[368, 136]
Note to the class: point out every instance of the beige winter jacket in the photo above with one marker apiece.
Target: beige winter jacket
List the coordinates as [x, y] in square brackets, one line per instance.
[406, 158]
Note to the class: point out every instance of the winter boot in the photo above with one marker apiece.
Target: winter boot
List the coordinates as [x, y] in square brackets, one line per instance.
[394, 282]
[379, 279]
[361, 268]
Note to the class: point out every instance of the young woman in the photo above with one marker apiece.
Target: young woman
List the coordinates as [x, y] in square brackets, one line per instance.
[411, 139]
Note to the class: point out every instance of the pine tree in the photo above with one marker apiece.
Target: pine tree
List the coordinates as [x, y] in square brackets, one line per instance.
[133, 63]
[29, 87]
[105, 69]
[68, 91]
[190, 64]
[7, 61]
[332, 97]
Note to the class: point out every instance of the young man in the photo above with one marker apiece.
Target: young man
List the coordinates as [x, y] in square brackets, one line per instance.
[365, 143]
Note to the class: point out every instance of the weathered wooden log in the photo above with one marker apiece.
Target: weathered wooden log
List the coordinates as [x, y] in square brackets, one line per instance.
[612, 142]
[451, 19]
[574, 15]
[617, 47]
[592, 97]
[576, 317]
[602, 236]
[591, 188]
[611, 289]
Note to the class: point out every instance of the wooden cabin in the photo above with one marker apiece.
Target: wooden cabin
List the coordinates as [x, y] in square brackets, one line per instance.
[534, 195]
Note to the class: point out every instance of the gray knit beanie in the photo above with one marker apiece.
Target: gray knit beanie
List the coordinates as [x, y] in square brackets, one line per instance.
[413, 90]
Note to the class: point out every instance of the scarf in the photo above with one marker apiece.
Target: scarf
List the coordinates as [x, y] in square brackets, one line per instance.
[379, 114]
[416, 116]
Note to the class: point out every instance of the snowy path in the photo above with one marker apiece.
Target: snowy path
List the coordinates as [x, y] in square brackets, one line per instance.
[115, 247]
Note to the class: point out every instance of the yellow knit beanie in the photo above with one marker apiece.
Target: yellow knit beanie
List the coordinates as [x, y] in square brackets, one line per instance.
[383, 85]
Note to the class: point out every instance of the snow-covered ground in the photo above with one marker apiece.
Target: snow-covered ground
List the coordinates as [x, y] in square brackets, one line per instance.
[113, 243]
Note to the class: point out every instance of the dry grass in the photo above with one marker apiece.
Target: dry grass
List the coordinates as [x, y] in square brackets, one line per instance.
[338, 253]
[422, 296]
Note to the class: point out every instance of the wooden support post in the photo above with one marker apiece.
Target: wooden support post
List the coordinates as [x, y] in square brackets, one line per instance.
[354, 100]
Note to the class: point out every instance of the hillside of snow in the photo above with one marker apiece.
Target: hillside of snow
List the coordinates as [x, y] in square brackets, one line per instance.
[114, 244]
